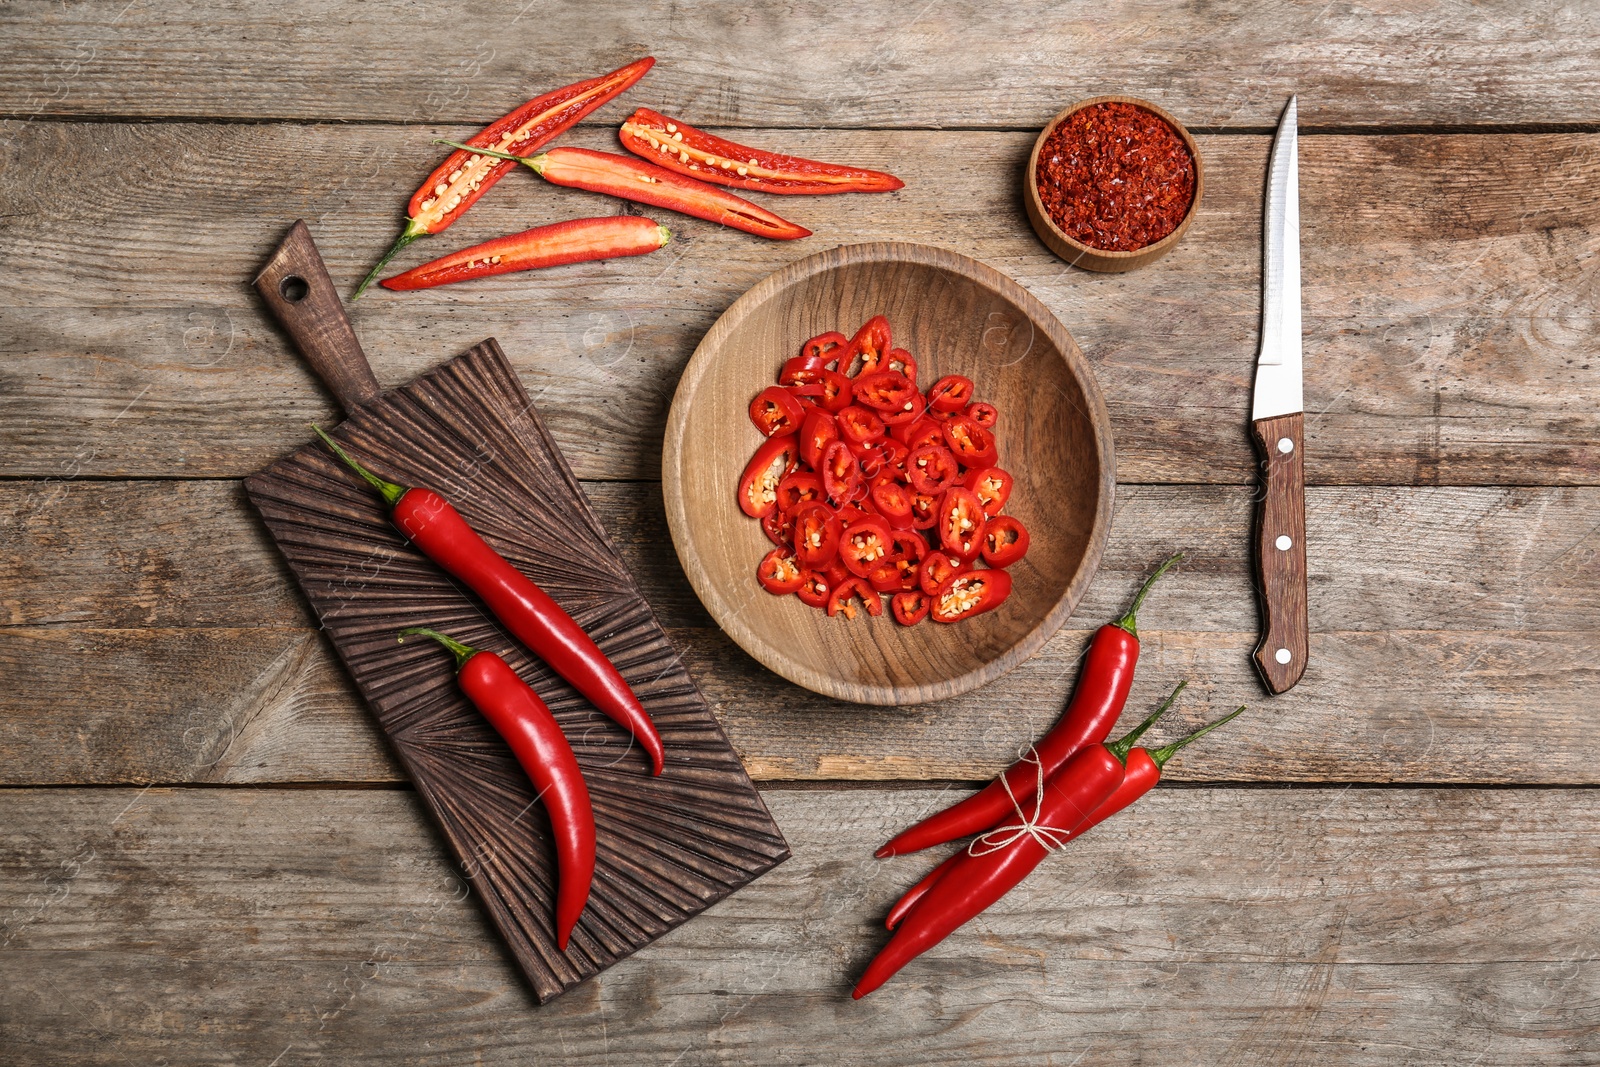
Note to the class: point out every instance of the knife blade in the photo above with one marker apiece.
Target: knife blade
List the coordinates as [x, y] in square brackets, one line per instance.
[1277, 419]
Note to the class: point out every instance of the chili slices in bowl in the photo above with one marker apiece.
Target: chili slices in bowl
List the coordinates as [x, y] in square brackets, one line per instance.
[871, 488]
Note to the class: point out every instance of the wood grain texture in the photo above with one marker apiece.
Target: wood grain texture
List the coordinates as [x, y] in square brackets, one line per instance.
[222, 705]
[955, 316]
[1446, 287]
[1280, 552]
[668, 846]
[181, 554]
[1360, 927]
[808, 63]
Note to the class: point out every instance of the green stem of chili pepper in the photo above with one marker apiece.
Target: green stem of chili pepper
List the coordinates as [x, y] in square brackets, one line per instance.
[1159, 756]
[412, 231]
[460, 651]
[390, 492]
[1130, 621]
[1120, 748]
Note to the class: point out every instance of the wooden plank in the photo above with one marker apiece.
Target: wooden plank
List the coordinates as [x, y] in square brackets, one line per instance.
[967, 64]
[176, 554]
[257, 705]
[1446, 289]
[1205, 926]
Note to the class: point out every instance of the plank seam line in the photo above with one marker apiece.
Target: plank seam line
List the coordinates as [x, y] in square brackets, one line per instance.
[1329, 130]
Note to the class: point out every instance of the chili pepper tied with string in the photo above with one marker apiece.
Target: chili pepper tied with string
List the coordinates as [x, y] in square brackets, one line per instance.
[518, 715]
[1143, 771]
[439, 531]
[457, 183]
[1102, 691]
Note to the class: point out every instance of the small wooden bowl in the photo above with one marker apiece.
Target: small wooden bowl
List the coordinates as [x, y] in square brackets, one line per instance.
[1070, 248]
[956, 316]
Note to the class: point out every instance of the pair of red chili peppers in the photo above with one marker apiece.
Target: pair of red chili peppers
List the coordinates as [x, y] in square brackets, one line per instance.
[516, 711]
[1072, 779]
[681, 159]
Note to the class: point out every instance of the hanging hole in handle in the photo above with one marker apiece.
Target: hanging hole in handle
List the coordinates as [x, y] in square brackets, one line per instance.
[294, 288]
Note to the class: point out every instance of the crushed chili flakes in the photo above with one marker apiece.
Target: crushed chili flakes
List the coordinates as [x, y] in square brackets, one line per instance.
[1115, 176]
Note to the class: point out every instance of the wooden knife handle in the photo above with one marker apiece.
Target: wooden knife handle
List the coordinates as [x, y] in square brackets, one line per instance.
[296, 286]
[1281, 552]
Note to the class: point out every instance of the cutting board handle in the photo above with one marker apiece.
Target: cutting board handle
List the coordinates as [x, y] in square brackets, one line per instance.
[296, 287]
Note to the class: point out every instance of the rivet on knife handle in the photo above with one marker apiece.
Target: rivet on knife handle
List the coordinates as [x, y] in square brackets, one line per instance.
[1281, 552]
[296, 287]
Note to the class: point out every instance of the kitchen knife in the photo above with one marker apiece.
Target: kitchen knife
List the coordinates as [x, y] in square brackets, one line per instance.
[1278, 422]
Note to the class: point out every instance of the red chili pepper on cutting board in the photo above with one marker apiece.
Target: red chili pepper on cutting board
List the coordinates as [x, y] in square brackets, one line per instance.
[1102, 690]
[428, 520]
[467, 174]
[518, 715]
[573, 241]
[1143, 770]
[646, 183]
[698, 154]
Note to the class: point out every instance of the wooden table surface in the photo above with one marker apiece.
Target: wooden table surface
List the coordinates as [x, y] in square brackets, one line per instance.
[206, 853]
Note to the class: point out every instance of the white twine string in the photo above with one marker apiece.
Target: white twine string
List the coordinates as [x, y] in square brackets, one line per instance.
[1049, 838]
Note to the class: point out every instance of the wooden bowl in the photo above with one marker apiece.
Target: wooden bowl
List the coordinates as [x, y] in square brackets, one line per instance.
[956, 316]
[1075, 251]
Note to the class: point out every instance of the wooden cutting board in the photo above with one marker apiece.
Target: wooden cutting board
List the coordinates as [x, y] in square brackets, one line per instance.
[668, 847]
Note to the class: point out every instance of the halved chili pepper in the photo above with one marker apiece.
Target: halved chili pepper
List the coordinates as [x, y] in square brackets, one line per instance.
[841, 475]
[813, 591]
[798, 487]
[646, 183]
[710, 158]
[826, 347]
[1005, 540]
[1102, 689]
[467, 174]
[775, 411]
[972, 445]
[1143, 771]
[969, 595]
[518, 715]
[867, 348]
[859, 426]
[816, 432]
[863, 544]
[985, 415]
[573, 241]
[993, 487]
[779, 572]
[961, 522]
[932, 469]
[758, 486]
[842, 595]
[909, 608]
[816, 535]
[441, 534]
[937, 569]
[894, 504]
[950, 393]
[973, 882]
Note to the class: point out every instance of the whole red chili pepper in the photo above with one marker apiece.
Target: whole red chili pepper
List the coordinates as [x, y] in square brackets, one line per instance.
[428, 520]
[1143, 771]
[573, 241]
[975, 881]
[519, 716]
[467, 174]
[702, 155]
[646, 183]
[1102, 689]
